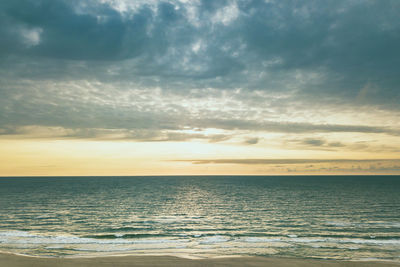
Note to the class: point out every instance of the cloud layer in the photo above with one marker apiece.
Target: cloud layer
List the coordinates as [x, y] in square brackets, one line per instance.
[286, 161]
[335, 48]
[154, 70]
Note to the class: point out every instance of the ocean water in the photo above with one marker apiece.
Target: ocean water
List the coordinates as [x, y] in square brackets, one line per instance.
[330, 217]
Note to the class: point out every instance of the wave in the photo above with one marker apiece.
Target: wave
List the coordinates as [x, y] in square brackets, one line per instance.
[348, 240]
[21, 237]
[24, 237]
[375, 224]
[214, 239]
[126, 236]
[260, 240]
[125, 229]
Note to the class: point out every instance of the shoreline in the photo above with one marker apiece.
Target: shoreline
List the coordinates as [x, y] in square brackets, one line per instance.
[18, 260]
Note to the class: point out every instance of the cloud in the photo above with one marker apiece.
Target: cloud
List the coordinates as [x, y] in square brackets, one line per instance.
[252, 141]
[336, 144]
[284, 161]
[333, 49]
[159, 67]
[165, 123]
[89, 105]
[67, 33]
[312, 166]
[313, 142]
[138, 135]
[290, 127]
[31, 36]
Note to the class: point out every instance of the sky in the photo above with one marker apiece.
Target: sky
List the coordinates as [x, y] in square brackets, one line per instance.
[123, 87]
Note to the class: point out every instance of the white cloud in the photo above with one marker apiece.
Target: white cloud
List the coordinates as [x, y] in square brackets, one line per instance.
[226, 15]
[31, 37]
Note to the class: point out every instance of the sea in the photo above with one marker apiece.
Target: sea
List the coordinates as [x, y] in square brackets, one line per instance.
[324, 217]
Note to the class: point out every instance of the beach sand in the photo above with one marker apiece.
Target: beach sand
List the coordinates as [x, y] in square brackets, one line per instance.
[10, 260]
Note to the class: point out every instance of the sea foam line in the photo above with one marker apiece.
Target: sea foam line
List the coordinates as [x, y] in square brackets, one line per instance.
[23, 237]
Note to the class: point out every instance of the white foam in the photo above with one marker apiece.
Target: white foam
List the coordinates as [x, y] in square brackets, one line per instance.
[385, 224]
[308, 240]
[353, 248]
[346, 240]
[55, 247]
[213, 240]
[260, 240]
[14, 234]
[31, 240]
[130, 248]
[374, 241]
[158, 241]
[21, 237]
[338, 223]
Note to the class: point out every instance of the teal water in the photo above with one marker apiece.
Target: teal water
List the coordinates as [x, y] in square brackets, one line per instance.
[333, 217]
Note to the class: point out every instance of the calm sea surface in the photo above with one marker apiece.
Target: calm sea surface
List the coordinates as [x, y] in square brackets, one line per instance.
[334, 217]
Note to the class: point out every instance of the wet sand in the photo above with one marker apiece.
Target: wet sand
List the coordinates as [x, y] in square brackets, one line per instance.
[11, 260]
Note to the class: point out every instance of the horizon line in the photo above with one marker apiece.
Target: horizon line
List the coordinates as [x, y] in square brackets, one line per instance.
[188, 175]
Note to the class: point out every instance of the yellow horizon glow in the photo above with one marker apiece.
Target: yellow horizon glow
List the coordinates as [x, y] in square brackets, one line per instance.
[43, 157]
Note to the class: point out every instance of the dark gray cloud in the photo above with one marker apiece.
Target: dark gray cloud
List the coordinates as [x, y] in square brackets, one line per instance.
[91, 108]
[285, 161]
[91, 121]
[313, 142]
[289, 127]
[309, 54]
[351, 44]
[138, 135]
[66, 33]
[336, 144]
[252, 141]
